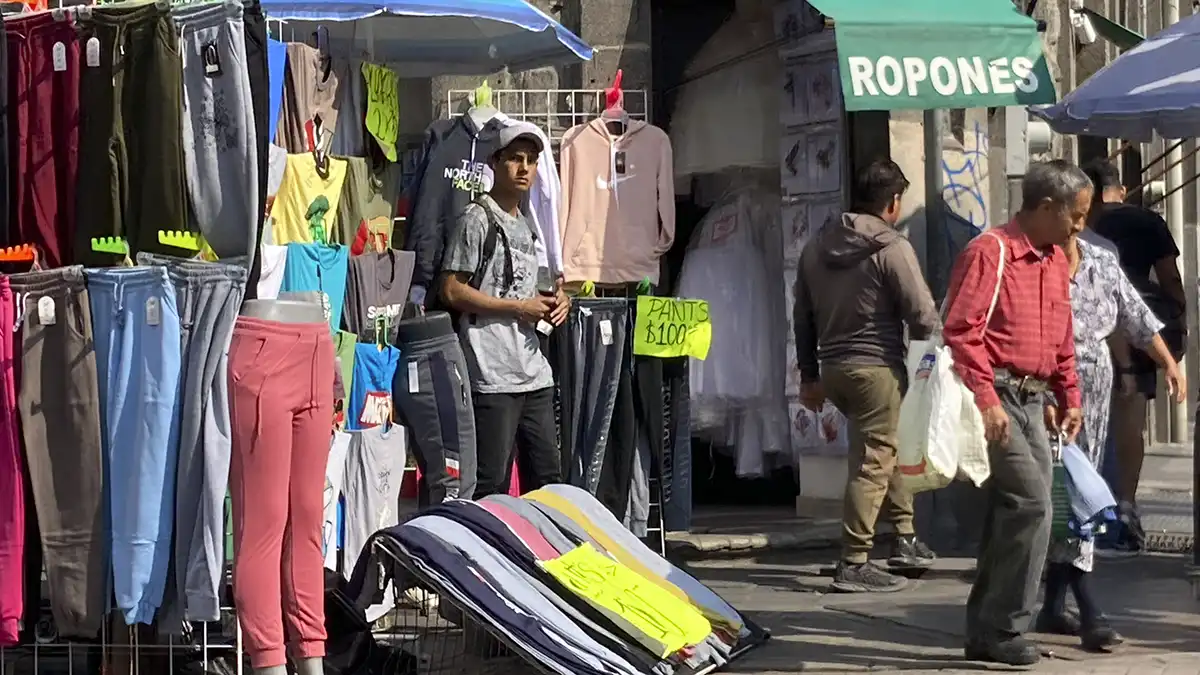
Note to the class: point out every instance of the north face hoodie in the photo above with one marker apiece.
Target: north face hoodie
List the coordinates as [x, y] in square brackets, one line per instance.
[618, 204]
[452, 173]
[857, 286]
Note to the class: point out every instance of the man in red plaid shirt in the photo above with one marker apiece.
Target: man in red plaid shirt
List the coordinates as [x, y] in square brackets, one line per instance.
[1009, 363]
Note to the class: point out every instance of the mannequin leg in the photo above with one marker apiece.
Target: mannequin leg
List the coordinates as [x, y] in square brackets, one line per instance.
[271, 670]
[310, 667]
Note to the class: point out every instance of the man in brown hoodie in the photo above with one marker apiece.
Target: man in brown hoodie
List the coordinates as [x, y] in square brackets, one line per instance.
[857, 286]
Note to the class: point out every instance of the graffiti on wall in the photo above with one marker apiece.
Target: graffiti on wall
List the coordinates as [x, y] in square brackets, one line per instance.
[965, 177]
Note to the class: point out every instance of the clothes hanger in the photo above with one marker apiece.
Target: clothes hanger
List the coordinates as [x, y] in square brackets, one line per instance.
[482, 110]
[115, 246]
[25, 253]
[188, 241]
[614, 115]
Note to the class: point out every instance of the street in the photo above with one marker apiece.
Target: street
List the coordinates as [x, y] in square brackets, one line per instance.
[919, 630]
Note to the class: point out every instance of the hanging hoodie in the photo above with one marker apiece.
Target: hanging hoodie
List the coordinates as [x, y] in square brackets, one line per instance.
[858, 285]
[453, 172]
[618, 202]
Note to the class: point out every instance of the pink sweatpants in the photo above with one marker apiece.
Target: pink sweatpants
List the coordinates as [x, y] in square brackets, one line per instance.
[12, 490]
[281, 408]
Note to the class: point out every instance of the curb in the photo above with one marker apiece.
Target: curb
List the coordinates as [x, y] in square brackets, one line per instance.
[812, 536]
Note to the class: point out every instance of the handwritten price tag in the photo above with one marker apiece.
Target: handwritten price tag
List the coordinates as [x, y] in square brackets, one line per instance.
[668, 327]
[383, 107]
[663, 623]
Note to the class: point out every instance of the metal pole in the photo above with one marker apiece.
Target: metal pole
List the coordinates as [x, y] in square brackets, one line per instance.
[935, 230]
[1178, 412]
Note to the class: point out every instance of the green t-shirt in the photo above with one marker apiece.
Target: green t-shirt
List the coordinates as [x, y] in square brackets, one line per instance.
[343, 347]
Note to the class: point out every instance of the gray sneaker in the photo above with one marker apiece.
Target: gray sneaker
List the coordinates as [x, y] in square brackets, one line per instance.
[866, 578]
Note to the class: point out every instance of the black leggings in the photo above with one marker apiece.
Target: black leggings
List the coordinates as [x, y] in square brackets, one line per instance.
[1060, 577]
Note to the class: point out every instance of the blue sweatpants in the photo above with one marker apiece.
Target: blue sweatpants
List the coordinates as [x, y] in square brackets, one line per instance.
[136, 327]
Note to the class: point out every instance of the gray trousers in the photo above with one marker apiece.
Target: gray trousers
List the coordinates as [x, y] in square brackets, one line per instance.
[433, 399]
[1016, 529]
[221, 157]
[208, 296]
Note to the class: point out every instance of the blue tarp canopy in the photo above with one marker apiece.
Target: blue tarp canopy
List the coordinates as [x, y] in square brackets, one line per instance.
[1152, 88]
[433, 37]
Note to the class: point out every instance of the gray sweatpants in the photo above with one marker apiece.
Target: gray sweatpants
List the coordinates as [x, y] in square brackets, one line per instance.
[1016, 528]
[371, 487]
[221, 157]
[208, 296]
[433, 399]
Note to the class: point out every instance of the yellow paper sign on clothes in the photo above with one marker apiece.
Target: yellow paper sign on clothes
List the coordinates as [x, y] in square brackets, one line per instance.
[669, 327]
[383, 107]
[659, 620]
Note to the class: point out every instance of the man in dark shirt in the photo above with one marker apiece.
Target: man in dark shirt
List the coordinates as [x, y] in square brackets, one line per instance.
[1149, 256]
[857, 288]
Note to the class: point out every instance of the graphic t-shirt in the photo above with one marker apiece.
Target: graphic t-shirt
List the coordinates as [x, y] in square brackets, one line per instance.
[370, 403]
[309, 100]
[274, 259]
[378, 288]
[503, 354]
[368, 205]
[308, 198]
[318, 268]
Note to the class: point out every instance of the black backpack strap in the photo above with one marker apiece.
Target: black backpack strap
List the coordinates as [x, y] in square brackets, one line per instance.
[488, 252]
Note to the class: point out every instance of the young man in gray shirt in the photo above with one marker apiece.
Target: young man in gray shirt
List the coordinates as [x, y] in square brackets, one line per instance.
[490, 277]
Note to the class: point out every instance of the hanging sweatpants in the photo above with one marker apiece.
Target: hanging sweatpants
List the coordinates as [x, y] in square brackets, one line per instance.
[433, 399]
[59, 404]
[254, 24]
[131, 177]
[281, 403]
[209, 296]
[44, 92]
[221, 152]
[12, 487]
[138, 358]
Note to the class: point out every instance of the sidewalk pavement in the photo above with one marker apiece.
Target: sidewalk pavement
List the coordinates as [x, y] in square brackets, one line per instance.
[1164, 497]
[919, 630]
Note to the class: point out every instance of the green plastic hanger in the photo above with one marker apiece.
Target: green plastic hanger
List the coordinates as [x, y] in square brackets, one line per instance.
[645, 287]
[483, 96]
[113, 245]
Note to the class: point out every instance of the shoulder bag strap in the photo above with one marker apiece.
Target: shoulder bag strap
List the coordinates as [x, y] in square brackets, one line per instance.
[999, 278]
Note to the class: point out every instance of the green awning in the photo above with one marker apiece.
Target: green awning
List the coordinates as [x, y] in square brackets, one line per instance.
[926, 54]
[1114, 32]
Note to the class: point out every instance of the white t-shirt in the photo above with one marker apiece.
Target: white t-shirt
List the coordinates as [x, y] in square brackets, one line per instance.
[274, 259]
[335, 473]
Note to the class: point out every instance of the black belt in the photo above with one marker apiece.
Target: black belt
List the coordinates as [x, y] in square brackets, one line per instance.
[1020, 384]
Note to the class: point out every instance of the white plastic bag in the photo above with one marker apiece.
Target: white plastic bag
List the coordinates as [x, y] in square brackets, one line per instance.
[941, 434]
[930, 415]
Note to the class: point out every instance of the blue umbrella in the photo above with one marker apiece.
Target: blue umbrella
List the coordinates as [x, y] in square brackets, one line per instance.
[1152, 88]
[435, 37]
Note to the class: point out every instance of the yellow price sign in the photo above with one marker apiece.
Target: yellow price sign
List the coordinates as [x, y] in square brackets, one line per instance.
[383, 107]
[660, 621]
[669, 327]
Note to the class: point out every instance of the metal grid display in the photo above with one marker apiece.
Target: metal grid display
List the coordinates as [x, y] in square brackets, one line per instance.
[553, 110]
[202, 649]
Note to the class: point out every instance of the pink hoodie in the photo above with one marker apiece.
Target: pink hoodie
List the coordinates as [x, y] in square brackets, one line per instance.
[615, 226]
